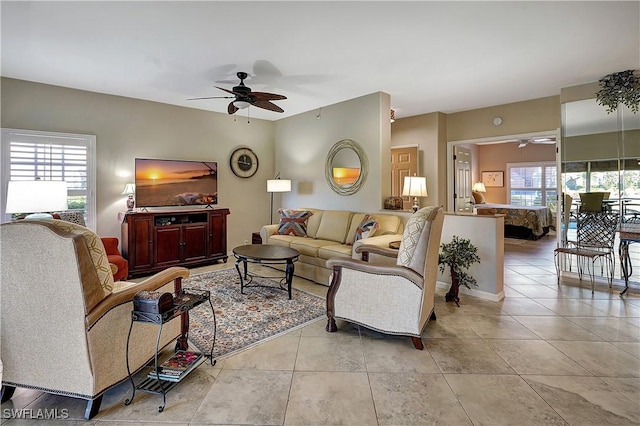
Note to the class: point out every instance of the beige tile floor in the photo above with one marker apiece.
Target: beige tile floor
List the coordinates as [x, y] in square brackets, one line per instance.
[546, 354]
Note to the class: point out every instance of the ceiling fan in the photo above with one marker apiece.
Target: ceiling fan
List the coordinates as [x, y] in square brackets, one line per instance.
[542, 141]
[243, 97]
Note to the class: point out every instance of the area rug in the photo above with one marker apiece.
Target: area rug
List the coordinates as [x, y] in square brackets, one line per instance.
[244, 320]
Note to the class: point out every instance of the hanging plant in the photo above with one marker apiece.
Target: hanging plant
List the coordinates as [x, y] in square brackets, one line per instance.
[619, 88]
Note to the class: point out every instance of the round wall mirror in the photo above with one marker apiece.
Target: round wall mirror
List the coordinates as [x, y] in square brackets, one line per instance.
[346, 167]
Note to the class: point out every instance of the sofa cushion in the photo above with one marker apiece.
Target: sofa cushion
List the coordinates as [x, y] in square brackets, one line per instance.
[338, 250]
[293, 222]
[313, 223]
[310, 246]
[366, 229]
[281, 240]
[334, 225]
[389, 224]
[356, 220]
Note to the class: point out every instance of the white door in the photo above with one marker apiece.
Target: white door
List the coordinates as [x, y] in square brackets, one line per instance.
[462, 180]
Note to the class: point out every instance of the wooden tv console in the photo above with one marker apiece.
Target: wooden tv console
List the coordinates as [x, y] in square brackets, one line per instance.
[153, 241]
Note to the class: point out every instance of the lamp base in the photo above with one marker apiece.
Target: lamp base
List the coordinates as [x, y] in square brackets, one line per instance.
[130, 203]
[38, 216]
[415, 206]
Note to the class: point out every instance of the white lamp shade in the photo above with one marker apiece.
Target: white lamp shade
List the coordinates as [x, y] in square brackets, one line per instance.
[278, 185]
[241, 104]
[415, 186]
[129, 189]
[479, 187]
[36, 196]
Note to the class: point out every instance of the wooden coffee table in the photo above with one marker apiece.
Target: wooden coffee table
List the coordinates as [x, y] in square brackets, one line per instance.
[265, 254]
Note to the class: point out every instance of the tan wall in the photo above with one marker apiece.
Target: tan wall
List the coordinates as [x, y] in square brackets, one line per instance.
[536, 115]
[127, 128]
[495, 158]
[428, 131]
[431, 132]
[303, 141]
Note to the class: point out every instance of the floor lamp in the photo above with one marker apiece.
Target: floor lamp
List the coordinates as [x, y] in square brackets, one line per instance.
[277, 185]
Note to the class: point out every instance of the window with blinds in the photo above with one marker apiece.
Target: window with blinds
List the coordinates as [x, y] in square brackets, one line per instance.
[31, 155]
[532, 184]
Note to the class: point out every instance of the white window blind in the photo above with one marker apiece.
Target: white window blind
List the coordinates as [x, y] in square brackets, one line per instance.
[32, 155]
[532, 184]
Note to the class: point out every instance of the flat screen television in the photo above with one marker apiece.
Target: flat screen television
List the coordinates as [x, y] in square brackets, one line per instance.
[161, 183]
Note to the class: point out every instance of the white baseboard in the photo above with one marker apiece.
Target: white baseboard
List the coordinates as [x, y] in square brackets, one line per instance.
[475, 293]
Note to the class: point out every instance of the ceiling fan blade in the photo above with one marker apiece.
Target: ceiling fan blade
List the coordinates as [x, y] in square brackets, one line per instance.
[263, 96]
[268, 105]
[229, 91]
[231, 109]
[211, 97]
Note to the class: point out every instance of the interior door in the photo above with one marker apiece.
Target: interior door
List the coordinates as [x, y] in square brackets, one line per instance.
[404, 162]
[462, 180]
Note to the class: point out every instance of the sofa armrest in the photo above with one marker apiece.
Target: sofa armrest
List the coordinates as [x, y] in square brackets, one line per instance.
[266, 231]
[126, 294]
[381, 241]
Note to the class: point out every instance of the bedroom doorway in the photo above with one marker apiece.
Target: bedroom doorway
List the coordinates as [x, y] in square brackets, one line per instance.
[462, 180]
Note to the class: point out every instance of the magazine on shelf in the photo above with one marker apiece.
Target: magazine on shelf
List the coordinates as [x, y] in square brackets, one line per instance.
[179, 364]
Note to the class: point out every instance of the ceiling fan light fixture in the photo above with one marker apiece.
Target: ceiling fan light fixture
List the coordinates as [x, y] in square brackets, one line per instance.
[241, 104]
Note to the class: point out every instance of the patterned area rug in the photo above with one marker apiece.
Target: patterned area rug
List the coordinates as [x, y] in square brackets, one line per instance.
[244, 320]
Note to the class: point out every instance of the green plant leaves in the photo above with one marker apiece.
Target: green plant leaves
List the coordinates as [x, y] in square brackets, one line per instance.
[619, 88]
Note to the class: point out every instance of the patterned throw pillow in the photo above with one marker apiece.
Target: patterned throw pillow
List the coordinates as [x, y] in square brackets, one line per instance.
[293, 222]
[478, 198]
[366, 228]
[96, 250]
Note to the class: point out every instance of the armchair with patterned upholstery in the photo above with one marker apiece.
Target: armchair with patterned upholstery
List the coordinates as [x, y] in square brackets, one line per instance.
[63, 320]
[393, 299]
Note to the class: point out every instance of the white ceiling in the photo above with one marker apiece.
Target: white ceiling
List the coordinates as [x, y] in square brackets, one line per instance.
[429, 56]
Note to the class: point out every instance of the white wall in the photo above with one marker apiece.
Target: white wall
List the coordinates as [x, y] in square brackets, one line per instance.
[303, 141]
[487, 234]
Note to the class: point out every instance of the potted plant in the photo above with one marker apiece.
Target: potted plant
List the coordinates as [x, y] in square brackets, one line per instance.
[620, 88]
[458, 255]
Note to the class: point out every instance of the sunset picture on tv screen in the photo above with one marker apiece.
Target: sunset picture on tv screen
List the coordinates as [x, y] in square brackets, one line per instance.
[175, 183]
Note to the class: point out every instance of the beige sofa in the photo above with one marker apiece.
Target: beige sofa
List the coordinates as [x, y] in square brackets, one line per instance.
[331, 233]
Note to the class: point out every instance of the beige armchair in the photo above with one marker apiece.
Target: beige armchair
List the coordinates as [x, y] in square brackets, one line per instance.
[393, 299]
[64, 322]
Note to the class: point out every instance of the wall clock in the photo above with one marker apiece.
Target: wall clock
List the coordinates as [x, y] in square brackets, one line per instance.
[243, 162]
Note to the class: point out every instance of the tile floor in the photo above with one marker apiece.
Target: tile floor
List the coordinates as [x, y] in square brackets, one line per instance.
[546, 354]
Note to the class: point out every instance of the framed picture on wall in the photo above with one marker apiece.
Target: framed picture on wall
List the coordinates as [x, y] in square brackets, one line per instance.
[493, 178]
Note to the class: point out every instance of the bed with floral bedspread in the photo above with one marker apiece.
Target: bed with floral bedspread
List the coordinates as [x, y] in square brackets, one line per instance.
[531, 222]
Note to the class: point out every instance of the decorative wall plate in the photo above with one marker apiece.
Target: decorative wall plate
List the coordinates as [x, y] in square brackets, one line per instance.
[243, 162]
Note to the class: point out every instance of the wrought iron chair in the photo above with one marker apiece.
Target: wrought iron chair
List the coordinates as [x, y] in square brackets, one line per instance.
[596, 232]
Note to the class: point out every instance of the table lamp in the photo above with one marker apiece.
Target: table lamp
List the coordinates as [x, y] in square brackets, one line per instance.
[415, 187]
[277, 185]
[36, 197]
[478, 187]
[130, 189]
